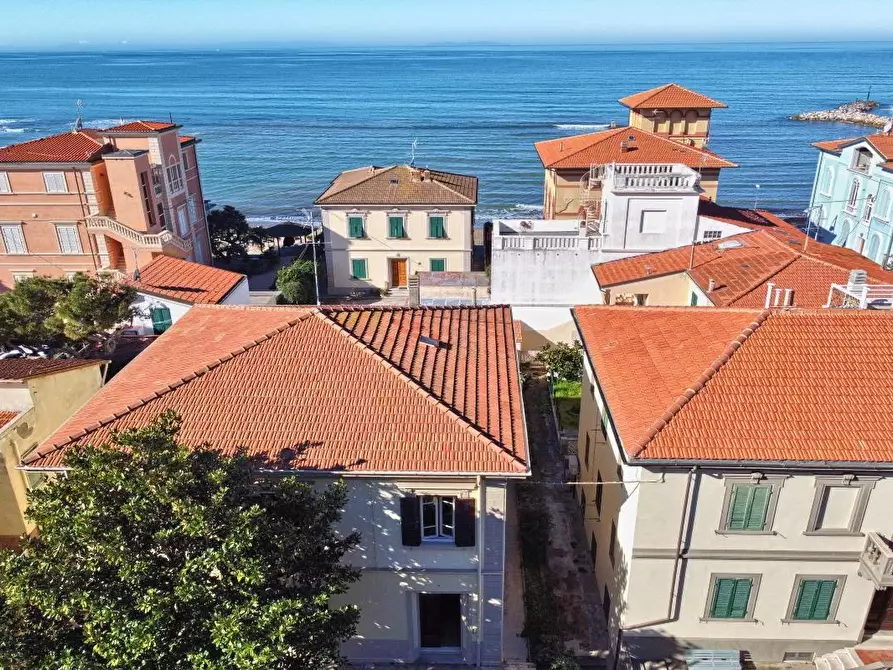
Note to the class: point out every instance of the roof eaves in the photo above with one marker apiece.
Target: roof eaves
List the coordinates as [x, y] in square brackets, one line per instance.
[700, 383]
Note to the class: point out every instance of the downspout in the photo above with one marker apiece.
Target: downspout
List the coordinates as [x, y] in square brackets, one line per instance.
[482, 506]
[674, 580]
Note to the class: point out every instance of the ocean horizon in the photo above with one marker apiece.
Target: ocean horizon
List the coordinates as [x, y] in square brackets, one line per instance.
[277, 125]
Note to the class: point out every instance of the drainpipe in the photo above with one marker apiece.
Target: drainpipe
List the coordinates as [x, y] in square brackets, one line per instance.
[687, 502]
[482, 507]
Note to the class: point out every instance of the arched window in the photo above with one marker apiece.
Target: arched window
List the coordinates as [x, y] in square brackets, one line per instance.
[833, 225]
[677, 124]
[827, 180]
[882, 206]
[874, 247]
[869, 206]
[691, 122]
[854, 195]
[844, 235]
[174, 174]
[862, 160]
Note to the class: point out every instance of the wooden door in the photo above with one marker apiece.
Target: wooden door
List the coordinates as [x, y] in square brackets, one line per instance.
[398, 272]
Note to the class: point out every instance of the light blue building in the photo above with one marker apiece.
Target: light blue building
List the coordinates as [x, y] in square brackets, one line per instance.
[853, 194]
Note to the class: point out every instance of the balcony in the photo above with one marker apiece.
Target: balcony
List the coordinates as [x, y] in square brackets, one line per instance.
[164, 242]
[860, 296]
[651, 178]
[876, 560]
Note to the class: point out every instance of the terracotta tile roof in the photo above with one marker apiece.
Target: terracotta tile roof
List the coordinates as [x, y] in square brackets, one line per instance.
[6, 418]
[888, 165]
[755, 219]
[78, 147]
[346, 388]
[835, 146]
[599, 148]
[670, 96]
[186, 281]
[17, 369]
[883, 143]
[741, 266]
[400, 185]
[869, 656]
[141, 127]
[745, 385]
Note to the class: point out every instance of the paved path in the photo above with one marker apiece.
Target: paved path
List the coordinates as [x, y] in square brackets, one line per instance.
[514, 647]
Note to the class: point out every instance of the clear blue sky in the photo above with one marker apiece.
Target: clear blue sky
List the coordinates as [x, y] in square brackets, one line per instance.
[63, 24]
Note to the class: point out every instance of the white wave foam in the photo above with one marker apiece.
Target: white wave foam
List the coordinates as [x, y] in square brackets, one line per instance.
[106, 123]
[582, 126]
[11, 130]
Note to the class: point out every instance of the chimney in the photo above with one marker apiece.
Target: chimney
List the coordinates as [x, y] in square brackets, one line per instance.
[711, 285]
[789, 297]
[769, 288]
[426, 174]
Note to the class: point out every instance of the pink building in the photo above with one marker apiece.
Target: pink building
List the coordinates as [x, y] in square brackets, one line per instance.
[94, 200]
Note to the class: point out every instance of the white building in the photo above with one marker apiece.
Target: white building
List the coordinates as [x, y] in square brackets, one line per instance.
[168, 287]
[367, 396]
[735, 473]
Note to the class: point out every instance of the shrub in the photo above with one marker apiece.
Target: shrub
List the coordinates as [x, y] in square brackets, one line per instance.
[296, 282]
[563, 360]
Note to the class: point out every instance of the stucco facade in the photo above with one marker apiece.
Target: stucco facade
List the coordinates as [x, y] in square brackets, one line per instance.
[852, 199]
[145, 302]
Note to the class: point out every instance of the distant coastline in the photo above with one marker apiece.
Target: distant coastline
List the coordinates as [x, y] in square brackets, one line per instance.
[858, 113]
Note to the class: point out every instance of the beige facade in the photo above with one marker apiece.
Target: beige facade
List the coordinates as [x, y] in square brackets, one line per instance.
[387, 260]
[689, 126]
[42, 404]
[660, 542]
[676, 289]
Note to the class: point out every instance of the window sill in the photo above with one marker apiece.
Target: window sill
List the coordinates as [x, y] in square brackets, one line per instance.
[358, 238]
[826, 621]
[834, 533]
[403, 237]
[745, 532]
[729, 620]
[438, 238]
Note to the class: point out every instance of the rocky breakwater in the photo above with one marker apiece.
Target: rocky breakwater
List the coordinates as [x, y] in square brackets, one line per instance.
[858, 113]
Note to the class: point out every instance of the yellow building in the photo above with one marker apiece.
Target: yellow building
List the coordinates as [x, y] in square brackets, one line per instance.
[667, 125]
[36, 397]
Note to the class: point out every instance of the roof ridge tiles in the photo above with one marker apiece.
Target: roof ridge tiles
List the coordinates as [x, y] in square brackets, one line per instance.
[157, 393]
[701, 382]
[451, 412]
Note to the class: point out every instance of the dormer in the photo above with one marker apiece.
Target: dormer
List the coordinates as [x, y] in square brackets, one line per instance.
[674, 112]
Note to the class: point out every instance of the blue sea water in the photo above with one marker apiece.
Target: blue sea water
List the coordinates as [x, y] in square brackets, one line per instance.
[278, 125]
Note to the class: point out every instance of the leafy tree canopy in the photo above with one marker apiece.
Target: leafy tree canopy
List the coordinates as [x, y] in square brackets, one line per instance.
[230, 233]
[563, 360]
[158, 556]
[296, 282]
[63, 312]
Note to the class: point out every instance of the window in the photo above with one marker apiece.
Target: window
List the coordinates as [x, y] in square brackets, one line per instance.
[815, 598]
[854, 195]
[147, 198]
[732, 597]
[161, 319]
[750, 502]
[55, 182]
[438, 517]
[641, 299]
[833, 225]
[395, 227]
[185, 157]
[14, 239]
[583, 503]
[182, 221]
[436, 229]
[174, 175]
[161, 217]
[882, 206]
[598, 492]
[586, 459]
[358, 268]
[606, 603]
[798, 657]
[869, 206]
[21, 276]
[693, 301]
[593, 548]
[874, 247]
[355, 227]
[613, 543]
[4, 183]
[652, 221]
[69, 240]
[193, 210]
[712, 234]
[861, 160]
[827, 181]
[156, 179]
[843, 237]
[604, 426]
[839, 505]
[440, 621]
[438, 264]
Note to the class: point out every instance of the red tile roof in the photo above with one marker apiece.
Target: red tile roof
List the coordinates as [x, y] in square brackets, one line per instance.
[755, 219]
[186, 281]
[186, 139]
[883, 143]
[670, 96]
[141, 127]
[17, 369]
[347, 389]
[6, 418]
[77, 147]
[400, 185]
[745, 385]
[741, 266]
[600, 148]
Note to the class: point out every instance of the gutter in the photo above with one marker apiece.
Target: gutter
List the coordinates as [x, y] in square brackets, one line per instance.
[425, 474]
[810, 466]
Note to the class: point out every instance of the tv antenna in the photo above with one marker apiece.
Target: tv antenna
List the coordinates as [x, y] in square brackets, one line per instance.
[413, 147]
[79, 121]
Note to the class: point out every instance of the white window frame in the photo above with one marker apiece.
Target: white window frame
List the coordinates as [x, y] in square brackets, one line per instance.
[4, 183]
[77, 237]
[20, 275]
[863, 486]
[63, 183]
[193, 210]
[869, 208]
[21, 233]
[442, 532]
[182, 221]
[174, 174]
[827, 176]
[884, 213]
[858, 152]
[852, 201]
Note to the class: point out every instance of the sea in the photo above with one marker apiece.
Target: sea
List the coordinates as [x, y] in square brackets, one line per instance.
[277, 125]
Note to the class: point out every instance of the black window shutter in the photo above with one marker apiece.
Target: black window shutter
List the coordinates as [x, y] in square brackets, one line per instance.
[465, 522]
[411, 522]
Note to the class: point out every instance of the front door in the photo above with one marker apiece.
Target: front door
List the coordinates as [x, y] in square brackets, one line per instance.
[398, 272]
[880, 613]
[440, 621]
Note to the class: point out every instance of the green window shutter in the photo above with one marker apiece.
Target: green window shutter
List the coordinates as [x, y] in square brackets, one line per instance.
[358, 268]
[740, 599]
[759, 506]
[814, 599]
[395, 224]
[748, 507]
[730, 598]
[161, 319]
[694, 299]
[355, 226]
[435, 227]
[738, 508]
[438, 265]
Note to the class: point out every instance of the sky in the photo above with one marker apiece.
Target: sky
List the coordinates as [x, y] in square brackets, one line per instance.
[132, 24]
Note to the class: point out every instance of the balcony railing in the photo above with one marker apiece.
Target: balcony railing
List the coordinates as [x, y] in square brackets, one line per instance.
[876, 560]
[548, 242]
[861, 296]
[165, 241]
[651, 177]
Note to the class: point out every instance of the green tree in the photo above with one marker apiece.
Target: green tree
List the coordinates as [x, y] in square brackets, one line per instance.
[231, 235]
[65, 313]
[158, 556]
[563, 360]
[296, 283]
